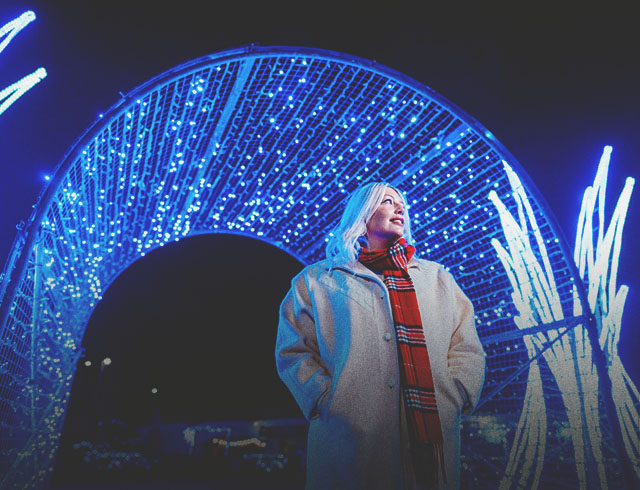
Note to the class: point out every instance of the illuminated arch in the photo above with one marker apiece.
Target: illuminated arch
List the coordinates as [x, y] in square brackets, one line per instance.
[265, 142]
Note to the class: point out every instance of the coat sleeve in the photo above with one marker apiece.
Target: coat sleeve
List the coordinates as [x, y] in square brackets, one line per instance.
[298, 359]
[466, 356]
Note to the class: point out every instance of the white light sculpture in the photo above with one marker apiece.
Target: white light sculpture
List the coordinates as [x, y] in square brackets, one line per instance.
[568, 353]
[14, 91]
[598, 266]
[10, 29]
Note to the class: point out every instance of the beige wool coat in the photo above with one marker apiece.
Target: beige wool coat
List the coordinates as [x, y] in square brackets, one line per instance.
[336, 353]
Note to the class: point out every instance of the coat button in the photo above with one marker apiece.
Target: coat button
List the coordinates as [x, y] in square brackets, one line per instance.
[391, 383]
[387, 336]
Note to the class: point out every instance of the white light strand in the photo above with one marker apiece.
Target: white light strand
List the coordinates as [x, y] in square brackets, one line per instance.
[600, 265]
[10, 29]
[537, 301]
[14, 91]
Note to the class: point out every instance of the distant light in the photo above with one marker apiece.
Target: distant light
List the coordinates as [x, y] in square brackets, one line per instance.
[47, 178]
[154, 390]
[87, 363]
[106, 361]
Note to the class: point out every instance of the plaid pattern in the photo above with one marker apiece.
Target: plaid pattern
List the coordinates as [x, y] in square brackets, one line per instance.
[415, 372]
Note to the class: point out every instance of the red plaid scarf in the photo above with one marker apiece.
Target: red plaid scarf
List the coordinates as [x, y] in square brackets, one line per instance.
[415, 372]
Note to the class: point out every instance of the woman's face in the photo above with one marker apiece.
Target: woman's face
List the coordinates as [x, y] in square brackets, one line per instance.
[387, 223]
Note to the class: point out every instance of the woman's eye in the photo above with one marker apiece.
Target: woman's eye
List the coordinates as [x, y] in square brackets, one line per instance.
[387, 200]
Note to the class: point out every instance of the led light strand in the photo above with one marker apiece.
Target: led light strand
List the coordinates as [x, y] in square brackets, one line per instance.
[605, 302]
[598, 266]
[14, 91]
[10, 29]
[538, 303]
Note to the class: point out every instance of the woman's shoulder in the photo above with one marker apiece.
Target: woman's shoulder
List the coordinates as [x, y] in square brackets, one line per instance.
[314, 270]
[318, 267]
[431, 268]
[425, 265]
[330, 269]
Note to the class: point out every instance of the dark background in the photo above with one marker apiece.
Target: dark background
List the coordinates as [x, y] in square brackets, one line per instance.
[553, 83]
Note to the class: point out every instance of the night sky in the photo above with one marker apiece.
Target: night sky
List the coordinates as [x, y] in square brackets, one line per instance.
[554, 85]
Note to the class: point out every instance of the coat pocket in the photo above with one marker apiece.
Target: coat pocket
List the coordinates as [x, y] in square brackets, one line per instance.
[460, 393]
[321, 404]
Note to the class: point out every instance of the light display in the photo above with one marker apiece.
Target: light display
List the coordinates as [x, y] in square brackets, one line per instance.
[14, 91]
[267, 143]
[536, 299]
[570, 358]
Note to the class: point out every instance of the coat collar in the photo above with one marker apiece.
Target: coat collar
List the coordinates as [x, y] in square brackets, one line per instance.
[358, 269]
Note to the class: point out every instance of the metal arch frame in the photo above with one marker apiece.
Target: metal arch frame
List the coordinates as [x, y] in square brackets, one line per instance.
[15, 269]
[250, 51]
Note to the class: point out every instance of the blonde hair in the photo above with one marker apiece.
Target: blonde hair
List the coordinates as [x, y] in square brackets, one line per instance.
[344, 240]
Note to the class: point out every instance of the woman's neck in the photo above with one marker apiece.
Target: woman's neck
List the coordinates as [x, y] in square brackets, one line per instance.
[376, 243]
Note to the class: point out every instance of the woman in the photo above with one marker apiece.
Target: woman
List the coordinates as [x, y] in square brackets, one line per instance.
[380, 351]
